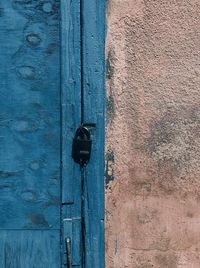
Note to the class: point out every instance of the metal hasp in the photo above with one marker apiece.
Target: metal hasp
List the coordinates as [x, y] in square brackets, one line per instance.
[82, 145]
[68, 251]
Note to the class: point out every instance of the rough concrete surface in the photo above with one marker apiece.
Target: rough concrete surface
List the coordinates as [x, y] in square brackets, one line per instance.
[153, 134]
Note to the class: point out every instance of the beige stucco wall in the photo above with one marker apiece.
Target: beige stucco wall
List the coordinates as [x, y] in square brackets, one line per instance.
[153, 134]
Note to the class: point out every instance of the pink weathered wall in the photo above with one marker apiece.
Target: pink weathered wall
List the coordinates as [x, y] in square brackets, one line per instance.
[153, 134]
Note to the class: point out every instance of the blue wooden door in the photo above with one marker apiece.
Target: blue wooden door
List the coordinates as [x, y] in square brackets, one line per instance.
[44, 196]
[30, 134]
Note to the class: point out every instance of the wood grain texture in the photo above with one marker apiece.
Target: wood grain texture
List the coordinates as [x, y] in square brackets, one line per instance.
[29, 115]
[71, 98]
[72, 230]
[93, 39]
[33, 145]
[31, 249]
[71, 114]
[30, 195]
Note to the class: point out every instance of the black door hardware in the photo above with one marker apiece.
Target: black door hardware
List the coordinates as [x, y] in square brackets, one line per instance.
[82, 144]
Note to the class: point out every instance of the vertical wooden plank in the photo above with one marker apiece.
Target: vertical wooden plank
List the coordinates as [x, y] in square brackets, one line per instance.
[29, 115]
[93, 40]
[67, 234]
[30, 248]
[71, 119]
[72, 230]
[71, 95]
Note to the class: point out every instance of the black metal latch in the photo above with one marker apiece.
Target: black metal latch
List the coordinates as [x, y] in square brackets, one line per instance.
[82, 145]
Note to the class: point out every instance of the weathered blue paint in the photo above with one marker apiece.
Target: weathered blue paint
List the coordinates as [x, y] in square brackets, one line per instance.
[71, 119]
[40, 108]
[30, 119]
[30, 196]
[29, 248]
[93, 41]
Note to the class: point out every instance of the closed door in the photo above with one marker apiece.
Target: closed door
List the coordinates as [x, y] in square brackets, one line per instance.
[33, 192]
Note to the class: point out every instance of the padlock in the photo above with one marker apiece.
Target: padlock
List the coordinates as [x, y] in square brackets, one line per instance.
[81, 147]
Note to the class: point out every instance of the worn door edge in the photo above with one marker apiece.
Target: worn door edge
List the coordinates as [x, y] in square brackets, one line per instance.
[93, 101]
[86, 105]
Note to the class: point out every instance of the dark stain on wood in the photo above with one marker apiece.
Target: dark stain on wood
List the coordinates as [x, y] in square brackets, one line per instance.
[39, 220]
[1, 12]
[33, 39]
[8, 174]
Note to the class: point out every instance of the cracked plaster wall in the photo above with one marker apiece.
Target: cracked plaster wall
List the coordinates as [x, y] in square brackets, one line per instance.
[153, 134]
